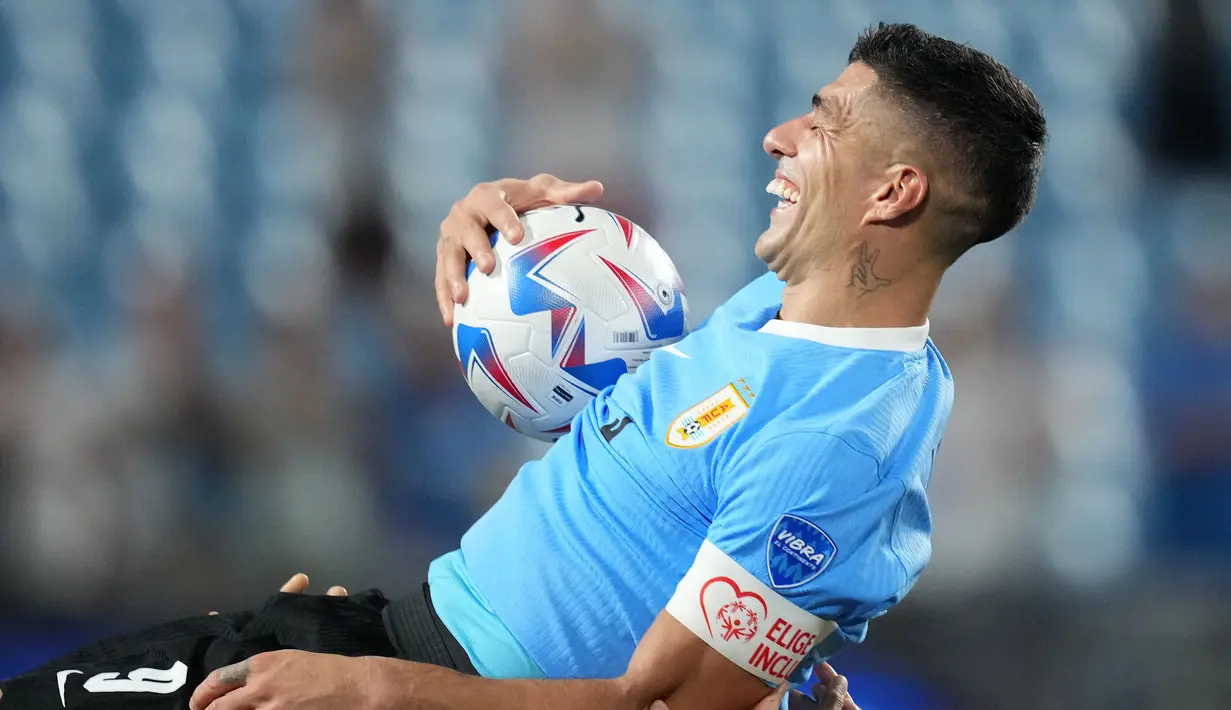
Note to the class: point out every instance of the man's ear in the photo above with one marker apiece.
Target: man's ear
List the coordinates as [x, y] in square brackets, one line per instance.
[903, 191]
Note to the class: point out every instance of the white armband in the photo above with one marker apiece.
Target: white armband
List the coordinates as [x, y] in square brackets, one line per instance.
[743, 618]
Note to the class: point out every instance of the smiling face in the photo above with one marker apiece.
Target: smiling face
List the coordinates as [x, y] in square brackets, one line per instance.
[921, 149]
[829, 168]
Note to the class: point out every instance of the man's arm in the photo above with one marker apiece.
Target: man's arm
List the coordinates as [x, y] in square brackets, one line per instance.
[831, 690]
[671, 663]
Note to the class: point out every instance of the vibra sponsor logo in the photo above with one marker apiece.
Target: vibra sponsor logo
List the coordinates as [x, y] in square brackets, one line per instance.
[797, 552]
[796, 544]
[707, 419]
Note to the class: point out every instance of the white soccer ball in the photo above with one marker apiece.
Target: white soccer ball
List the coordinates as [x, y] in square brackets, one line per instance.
[584, 298]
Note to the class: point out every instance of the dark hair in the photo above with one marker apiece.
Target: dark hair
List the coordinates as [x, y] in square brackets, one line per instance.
[988, 123]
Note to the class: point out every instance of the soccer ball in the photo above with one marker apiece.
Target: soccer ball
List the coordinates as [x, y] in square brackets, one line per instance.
[584, 298]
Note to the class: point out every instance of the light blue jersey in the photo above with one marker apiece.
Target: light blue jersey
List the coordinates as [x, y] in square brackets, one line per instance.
[763, 481]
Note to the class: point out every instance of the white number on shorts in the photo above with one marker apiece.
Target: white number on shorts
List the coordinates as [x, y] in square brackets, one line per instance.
[141, 680]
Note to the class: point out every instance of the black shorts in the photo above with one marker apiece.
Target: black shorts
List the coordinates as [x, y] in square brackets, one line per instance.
[159, 668]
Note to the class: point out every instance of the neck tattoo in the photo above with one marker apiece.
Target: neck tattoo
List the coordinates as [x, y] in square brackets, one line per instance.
[863, 276]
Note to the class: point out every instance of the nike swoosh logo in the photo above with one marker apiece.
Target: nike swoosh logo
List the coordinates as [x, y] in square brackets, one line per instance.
[671, 349]
[61, 677]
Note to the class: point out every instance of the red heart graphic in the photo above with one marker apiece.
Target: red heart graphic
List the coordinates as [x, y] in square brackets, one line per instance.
[738, 595]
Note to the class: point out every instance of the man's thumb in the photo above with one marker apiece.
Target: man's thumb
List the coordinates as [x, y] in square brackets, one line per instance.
[659, 705]
[783, 688]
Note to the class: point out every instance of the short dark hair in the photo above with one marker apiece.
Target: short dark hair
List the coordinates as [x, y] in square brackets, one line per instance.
[988, 123]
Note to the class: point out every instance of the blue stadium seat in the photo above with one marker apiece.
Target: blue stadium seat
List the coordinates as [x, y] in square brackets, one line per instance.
[168, 148]
[294, 156]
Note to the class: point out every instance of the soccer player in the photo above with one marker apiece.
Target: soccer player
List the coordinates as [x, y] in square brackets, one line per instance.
[746, 502]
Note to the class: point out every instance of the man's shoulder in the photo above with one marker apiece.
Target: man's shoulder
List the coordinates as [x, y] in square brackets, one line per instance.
[861, 409]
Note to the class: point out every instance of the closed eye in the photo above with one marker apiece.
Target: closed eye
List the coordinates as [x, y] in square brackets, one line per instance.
[822, 109]
[821, 105]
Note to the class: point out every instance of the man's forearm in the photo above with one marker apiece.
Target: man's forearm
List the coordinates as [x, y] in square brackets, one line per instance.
[415, 686]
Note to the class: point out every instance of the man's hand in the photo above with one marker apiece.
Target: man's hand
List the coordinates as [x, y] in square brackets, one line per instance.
[463, 233]
[836, 696]
[322, 692]
[298, 584]
[290, 679]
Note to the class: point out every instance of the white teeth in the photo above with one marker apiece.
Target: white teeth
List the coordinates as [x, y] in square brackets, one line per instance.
[780, 188]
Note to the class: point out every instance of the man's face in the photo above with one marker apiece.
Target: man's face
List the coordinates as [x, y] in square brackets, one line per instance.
[825, 174]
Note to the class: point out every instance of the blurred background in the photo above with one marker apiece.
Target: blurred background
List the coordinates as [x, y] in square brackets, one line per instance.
[221, 360]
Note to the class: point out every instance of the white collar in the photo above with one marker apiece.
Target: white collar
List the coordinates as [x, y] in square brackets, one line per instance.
[908, 339]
